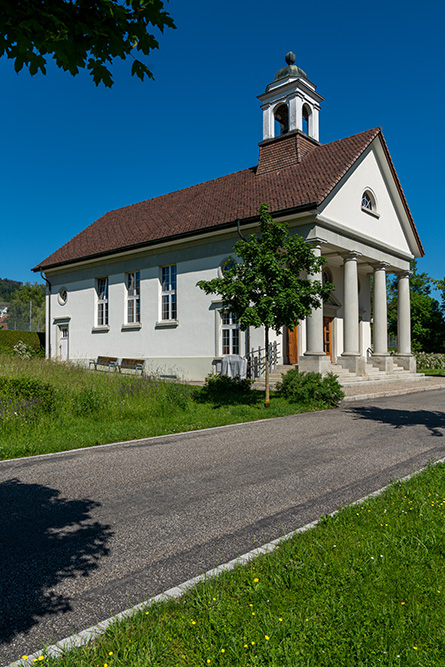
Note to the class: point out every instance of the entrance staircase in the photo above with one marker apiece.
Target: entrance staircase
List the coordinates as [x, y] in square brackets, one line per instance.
[372, 377]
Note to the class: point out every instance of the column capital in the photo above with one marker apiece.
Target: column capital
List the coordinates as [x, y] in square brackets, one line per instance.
[350, 256]
[379, 266]
[403, 274]
[316, 241]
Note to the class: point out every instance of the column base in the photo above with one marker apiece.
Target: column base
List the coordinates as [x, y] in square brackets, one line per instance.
[407, 361]
[384, 362]
[314, 363]
[353, 363]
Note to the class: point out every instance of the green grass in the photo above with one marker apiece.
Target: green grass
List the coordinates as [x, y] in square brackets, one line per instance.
[432, 371]
[365, 587]
[93, 408]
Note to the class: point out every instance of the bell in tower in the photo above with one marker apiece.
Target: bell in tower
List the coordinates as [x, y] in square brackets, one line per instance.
[290, 103]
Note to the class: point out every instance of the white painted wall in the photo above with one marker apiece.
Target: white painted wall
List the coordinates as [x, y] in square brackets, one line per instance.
[188, 349]
[344, 205]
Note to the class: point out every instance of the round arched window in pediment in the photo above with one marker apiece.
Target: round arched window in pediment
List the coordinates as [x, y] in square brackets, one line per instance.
[368, 201]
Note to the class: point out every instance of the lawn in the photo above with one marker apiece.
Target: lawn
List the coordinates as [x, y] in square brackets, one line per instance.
[365, 587]
[432, 371]
[51, 407]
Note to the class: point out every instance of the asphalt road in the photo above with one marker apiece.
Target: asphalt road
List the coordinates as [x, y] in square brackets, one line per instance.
[86, 534]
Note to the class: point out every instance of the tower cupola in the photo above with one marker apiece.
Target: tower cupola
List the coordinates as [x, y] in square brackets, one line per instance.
[290, 103]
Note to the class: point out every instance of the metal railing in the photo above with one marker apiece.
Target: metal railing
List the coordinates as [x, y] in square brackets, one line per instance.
[256, 360]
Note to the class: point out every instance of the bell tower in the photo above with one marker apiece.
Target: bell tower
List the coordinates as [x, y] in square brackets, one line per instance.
[290, 103]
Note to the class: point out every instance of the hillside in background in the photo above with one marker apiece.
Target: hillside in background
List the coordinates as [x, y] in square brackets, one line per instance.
[7, 288]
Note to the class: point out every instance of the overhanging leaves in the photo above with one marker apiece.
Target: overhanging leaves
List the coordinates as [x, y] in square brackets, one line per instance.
[80, 34]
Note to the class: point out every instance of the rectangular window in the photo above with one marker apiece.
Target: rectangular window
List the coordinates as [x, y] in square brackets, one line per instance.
[168, 293]
[133, 297]
[102, 301]
[230, 333]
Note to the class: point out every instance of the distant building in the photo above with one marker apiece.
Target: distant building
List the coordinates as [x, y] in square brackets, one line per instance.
[126, 285]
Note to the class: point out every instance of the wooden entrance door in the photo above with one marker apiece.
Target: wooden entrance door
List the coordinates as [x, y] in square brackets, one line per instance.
[292, 346]
[327, 336]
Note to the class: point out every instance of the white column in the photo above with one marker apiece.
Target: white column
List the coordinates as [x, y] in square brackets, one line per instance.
[314, 322]
[268, 126]
[292, 106]
[298, 112]
[350, 307]
[404, 315]
[380, 317]
[315, 123]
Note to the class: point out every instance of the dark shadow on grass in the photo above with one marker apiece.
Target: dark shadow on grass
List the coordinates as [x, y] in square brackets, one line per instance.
[44, 539]
[433, 420]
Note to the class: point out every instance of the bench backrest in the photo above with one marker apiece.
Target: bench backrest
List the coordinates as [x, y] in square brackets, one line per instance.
[106, 360]
[132, 363]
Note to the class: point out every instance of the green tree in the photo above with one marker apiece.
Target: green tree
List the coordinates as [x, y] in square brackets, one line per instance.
[265, 288]
[27, 308]
[7, 288]
[427, 316]
[80, 34]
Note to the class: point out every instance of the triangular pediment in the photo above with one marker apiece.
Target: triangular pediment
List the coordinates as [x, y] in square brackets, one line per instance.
[389, 221]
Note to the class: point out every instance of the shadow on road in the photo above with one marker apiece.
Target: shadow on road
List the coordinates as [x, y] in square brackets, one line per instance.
[433, 420]
[44, 539]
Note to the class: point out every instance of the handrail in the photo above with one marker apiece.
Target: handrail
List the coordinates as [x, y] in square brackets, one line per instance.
[256, 360]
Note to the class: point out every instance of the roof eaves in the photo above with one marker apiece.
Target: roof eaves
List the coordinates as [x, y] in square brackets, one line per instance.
[174, 237]
[401, 193]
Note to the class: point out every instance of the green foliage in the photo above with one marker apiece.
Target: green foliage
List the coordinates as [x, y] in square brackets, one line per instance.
[427, 316]
[265, 287]
[32, 339]
[310, 388]
[430, 360]
[29, 388]
[218, 386]
[7, 288]
[80, 35]
[28, 300]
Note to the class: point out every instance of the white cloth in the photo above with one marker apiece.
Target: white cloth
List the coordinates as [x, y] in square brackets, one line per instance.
[234, 365]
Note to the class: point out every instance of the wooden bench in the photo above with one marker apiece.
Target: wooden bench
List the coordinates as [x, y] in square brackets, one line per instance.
[109, 362]
[132, 365]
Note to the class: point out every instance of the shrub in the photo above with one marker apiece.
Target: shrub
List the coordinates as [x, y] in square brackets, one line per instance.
[22, 350]
[13, 388]
[430, 360]
[32, 339]
[310, 387]
[217, 384]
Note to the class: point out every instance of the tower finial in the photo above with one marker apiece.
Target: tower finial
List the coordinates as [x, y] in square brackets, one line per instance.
[290, 58]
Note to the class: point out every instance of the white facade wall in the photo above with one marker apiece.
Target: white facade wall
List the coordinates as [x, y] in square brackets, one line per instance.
[188, 348]
[344, 206]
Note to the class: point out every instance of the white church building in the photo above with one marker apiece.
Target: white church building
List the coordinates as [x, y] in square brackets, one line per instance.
[126, 285]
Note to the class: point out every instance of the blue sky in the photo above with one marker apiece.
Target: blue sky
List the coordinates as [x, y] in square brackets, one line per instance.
[71, 151]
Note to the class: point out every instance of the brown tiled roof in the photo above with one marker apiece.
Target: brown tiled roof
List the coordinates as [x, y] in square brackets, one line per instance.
[220, 203]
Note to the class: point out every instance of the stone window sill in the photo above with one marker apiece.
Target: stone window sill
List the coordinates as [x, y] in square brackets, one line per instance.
[373, 213]
[166, 324]
[131, 327]
[101, 329]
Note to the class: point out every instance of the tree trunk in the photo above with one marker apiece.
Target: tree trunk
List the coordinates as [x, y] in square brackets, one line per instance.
[267, 390]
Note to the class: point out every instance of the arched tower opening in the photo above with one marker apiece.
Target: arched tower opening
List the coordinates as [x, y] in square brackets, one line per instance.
[281, 115]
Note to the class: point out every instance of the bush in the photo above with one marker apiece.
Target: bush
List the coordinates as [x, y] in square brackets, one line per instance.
[223, 384]
[32, 339]
[299, 387]
[430, 360]
[29, 388]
